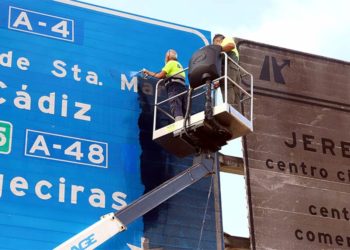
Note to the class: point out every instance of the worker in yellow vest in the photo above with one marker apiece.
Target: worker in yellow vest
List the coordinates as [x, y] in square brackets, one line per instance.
[233, 92]
[175, 83]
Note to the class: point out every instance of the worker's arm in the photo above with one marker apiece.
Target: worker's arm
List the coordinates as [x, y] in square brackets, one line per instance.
[228, 47]
[228, 44]
[159, 75]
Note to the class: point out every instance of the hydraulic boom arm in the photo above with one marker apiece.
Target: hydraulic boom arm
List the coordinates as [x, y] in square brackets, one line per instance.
[113, 223]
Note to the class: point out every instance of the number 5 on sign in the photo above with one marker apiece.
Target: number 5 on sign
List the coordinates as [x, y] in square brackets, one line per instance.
[5, 137]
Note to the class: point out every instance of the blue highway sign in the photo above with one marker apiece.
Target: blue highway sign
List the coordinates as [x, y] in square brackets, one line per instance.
[75, 124]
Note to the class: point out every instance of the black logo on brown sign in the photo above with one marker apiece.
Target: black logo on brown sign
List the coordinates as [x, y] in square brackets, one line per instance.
[277, 70]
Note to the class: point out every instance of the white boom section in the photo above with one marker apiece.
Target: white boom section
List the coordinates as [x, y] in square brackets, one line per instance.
[94, 235]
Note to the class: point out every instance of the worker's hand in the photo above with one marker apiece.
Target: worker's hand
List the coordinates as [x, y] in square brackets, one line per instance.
[145, 72]
[216, 84]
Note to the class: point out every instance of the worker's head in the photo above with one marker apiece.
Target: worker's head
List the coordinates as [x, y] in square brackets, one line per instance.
[218, 38]
[170, 55]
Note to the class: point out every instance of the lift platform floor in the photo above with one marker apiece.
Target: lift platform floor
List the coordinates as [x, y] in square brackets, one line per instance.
[174, 139]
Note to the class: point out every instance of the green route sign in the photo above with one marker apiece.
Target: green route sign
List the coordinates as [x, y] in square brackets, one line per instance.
[5, 137]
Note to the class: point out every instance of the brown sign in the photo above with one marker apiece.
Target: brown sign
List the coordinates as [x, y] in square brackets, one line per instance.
[298, 158]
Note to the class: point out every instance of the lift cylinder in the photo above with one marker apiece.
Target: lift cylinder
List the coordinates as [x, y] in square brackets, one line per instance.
[205, 64]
